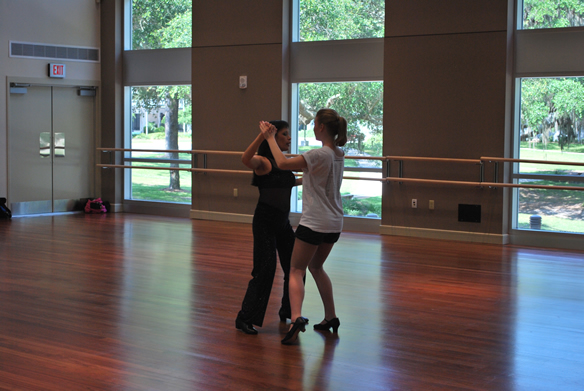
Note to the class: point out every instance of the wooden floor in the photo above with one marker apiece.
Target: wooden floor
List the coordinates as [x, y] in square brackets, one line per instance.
[135, 302]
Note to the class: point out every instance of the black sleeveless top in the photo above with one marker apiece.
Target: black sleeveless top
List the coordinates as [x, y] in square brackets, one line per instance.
[275, 187]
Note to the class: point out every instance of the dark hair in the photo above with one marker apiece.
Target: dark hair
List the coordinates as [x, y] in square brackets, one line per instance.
[335, 125]
[264, 148]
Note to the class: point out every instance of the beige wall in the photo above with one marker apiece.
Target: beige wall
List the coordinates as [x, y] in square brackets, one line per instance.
[446, 85]
[231, 39]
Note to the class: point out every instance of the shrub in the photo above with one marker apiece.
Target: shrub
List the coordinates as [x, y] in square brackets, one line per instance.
[362, 206]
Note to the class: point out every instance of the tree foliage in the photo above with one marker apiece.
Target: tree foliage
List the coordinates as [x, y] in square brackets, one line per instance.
[360, 103]
[324, 20]
[539, 14]
[553, 109]
[153, 20]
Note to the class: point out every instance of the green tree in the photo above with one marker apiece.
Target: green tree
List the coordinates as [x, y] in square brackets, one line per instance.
[535, 107]
[185, 116]
[161, 24]
[324, 20]
[152, 20]
[361, 104]
[539, 14]
[568, 101]
[553, 106]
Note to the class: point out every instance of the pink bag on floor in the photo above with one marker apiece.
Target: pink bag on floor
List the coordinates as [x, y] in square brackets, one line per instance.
[95, 206]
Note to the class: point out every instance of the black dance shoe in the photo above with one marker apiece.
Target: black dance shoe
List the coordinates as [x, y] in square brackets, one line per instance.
[334, 323]
[298, 326]
[246, 328]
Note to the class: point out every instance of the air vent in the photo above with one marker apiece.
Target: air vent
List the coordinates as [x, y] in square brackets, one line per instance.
[41, 50]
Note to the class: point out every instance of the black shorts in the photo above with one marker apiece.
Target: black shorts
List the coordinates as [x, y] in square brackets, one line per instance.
[312, 237]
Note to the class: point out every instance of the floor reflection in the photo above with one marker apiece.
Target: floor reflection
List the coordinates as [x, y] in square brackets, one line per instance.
[319, 374]
[149, 303]
[550, 321]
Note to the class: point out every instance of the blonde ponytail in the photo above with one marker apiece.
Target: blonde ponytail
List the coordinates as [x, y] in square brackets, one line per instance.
[341, 138]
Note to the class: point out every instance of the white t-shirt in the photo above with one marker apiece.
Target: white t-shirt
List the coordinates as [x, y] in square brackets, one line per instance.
[322, 208]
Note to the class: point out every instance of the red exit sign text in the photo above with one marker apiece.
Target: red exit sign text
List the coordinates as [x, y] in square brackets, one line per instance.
[57, 70]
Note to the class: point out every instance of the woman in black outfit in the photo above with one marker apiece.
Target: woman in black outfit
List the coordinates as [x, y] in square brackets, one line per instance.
[271, 229]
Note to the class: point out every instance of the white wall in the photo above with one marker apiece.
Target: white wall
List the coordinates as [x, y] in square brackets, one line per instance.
[63, 22]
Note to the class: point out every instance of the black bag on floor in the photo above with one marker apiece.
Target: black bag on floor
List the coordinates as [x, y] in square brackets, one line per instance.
[5, 213]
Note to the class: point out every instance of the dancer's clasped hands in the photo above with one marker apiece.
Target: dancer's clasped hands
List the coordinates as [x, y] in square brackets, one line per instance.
[268, 130]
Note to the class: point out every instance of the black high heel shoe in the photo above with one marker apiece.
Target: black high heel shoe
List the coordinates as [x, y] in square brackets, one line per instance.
[298, 326]
[334, 323]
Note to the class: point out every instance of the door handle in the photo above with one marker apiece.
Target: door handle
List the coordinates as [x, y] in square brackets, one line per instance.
[45, 144]
[59, 144]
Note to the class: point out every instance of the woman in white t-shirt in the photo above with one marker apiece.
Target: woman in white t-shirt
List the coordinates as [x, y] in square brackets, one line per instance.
[322, 214]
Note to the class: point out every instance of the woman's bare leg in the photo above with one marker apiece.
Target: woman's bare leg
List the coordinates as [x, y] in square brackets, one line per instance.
[323, 282]
[301, 256]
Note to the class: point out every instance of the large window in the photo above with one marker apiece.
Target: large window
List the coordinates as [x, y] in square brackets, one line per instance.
[552, 129]
[158, 116]
[160, 120]
[542, 14]
[158, 24]
[325, 20]
[335, 73]
[361, 103]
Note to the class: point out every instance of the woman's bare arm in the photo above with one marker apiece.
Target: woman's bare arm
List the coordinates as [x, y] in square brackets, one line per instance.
[259, 164]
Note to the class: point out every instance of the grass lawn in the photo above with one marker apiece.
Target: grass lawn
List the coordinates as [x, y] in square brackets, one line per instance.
[553, 153]
[151, 185]
[560, 209]
[552, 223]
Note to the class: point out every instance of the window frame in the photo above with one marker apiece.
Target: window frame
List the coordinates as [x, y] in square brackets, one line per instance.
[540, 53]
[142, 68]
[355, 60]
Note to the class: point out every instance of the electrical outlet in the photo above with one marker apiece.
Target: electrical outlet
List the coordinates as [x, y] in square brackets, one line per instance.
[243, 82]
[431, 205]
[414, 203]
[235, 193]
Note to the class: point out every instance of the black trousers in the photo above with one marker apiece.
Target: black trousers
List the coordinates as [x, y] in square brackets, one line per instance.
[272, 234]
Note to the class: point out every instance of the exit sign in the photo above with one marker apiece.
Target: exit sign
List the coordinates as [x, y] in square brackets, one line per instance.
[57, 70]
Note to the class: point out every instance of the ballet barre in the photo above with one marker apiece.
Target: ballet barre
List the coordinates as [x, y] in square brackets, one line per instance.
[387, 179]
